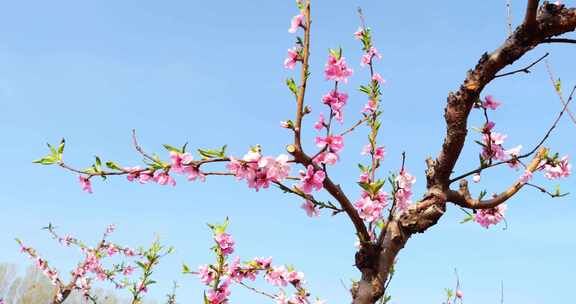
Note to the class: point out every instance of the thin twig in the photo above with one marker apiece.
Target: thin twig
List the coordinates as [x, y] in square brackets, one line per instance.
[273, 297]
[558, 92]
[309, 197]
[526, 69]
[501, 292]
[509, 16]
[543, 190]
[358, 123]
[559, 40]
[139, 148]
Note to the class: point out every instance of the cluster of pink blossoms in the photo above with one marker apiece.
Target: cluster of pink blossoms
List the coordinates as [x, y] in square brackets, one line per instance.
[332, 144]
[493, 216]
[236, 272]
[225, 243]
[492, 142]
[336, 69]
[41, 264]
[370, 208]
[336, 101]
[559, 169]
[379, 152]
[311, 179]
[404, 181]
[91, 265]
[181, 163]
[294, 54]
[260, 171]
[368, 56]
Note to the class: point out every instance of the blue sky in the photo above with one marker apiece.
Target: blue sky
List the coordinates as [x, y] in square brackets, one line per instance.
[210, 73]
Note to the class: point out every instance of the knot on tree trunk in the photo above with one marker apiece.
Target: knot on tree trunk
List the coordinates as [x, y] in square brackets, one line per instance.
[367, 257]
[420, 217]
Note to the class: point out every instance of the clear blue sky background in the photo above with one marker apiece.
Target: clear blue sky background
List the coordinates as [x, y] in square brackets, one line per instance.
[210, 73]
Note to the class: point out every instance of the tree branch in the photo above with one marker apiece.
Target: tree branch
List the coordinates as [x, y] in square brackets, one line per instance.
[304, 78]
[531, 11]
[542, 141]
[526, 69]
[463, 199]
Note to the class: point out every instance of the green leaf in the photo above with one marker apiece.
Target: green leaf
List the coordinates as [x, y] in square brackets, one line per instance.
[292, 86]
[558, 86]
[223, 151]
[336, 53]
[364, 186]
[376, 186]
[363, 168]
[482, 194]
[112, 165]
[365, 89]
[48, 160]
[98, 162]
[61, 148]
[172, 149]
[52, 149]
[185, 268]
[300, 5]
[467, 219]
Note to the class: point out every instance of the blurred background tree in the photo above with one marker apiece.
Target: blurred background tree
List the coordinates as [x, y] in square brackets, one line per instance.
[33, 287]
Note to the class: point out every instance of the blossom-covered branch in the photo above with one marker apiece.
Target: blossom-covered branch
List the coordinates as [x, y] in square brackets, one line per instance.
[91, 268]
[224, 273]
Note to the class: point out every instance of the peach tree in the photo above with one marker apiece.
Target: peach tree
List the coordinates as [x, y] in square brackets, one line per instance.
[386, 214]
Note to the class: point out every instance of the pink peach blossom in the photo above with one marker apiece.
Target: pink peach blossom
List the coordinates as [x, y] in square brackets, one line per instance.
[292, 59]
[367, 58]
[85, 183]
[370, 107]
[319, 125]
[336, 101]
[328, 158]
[378, 78]
[225, 242]
[490, 103]
[561, 169]
[296, 23]
[359, 33]
[487, 217]
[334, 143]
[163, 178]
[337, 70]
[277, 276]
[311, 179]
[310, 209]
